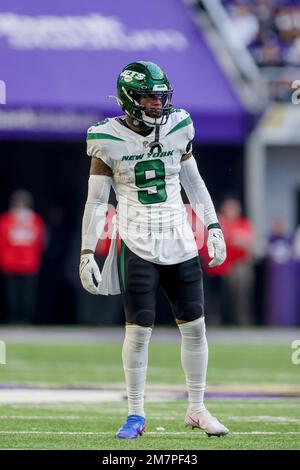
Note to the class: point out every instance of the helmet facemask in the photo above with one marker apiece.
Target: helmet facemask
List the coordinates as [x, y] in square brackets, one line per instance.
[149, 115]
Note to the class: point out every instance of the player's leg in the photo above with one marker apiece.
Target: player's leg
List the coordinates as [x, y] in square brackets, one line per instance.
[183, 285]
[139, 281]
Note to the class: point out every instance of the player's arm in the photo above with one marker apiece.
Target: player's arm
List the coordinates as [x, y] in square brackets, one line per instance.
[93, 222]
[203, 206]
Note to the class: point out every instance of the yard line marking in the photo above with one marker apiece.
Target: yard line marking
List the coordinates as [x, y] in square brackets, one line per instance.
[64, 433]
[267, 433]
[265, 419]
[151, 433]
[85, 418]
[48, 417]
[249, 419]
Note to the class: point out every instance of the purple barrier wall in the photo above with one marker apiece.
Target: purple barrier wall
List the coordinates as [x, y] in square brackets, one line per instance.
[59, 58]
[281, 284]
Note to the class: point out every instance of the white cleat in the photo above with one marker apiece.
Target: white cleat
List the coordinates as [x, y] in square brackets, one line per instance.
[205, 421]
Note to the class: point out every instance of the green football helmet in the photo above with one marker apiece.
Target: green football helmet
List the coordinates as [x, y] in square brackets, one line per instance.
[144, 79]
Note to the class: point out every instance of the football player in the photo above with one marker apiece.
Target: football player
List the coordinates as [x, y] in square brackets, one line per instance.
[146, 155]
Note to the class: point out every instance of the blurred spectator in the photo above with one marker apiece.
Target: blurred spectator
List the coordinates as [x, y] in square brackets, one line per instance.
[245, 22]
[271, 28]
[234, 278]
[280, 277]
[22, 238]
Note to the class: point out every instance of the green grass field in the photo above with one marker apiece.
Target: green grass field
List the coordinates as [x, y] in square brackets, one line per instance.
[95, 364]
[253, 425]
[259, 423]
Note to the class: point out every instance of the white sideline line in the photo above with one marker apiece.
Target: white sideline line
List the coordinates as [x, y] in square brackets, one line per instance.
[85, 418]
[2, 417]
[43, 396]
[248, 419]
[60, 397]
[265, 419]
[52, 396]
[151, 433]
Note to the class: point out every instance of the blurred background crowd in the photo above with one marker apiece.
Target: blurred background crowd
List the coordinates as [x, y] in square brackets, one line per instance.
[269, 28]
[233, 68]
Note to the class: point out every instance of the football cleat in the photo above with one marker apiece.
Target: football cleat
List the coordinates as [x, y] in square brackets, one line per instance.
[205, 421]
[134, 427]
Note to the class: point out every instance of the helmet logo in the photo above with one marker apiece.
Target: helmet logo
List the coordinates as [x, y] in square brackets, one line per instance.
[129, 75]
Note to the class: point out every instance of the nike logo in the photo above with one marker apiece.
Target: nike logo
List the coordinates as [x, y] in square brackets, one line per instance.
[217, 236]
[83, 264]
[194, 421]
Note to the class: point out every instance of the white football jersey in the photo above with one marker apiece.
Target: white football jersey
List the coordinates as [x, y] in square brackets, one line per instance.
[151, 216]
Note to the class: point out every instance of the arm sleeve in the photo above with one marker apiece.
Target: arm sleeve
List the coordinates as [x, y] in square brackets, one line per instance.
[95, 210]
[197, 192]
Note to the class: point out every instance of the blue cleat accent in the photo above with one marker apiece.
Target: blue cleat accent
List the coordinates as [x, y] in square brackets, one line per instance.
[134, 427]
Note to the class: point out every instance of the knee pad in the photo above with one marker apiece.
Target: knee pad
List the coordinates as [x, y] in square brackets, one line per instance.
[143, 318]
[189, 311]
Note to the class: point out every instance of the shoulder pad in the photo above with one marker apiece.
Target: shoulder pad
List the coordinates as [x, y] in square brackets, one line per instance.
[99, 126]
[102, 130]
[180, 119]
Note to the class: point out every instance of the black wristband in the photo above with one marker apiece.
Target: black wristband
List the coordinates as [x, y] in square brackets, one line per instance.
[216, 225]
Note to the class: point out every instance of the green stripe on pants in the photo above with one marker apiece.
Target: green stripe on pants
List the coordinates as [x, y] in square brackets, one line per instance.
[122, 264]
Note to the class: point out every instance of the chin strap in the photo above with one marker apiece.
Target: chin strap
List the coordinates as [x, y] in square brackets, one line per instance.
[155, 144]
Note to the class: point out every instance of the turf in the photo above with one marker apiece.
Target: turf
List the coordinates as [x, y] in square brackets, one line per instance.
[95, 364]
[274, 424]
[254, 423]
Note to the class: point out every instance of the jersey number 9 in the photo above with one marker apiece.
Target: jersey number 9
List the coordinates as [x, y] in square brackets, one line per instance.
[151, 175]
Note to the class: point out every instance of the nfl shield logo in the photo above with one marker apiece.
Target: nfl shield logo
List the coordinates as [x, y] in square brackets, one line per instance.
[146, 143]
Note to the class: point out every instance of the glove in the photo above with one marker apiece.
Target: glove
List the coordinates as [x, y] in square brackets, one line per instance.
[216, 247]
[89, 268]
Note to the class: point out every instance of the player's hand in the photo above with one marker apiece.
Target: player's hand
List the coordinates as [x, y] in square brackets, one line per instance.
[87, 270]
[216, 247]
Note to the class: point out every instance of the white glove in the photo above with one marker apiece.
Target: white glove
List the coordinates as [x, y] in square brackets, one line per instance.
[89, 268]
[216, 247]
